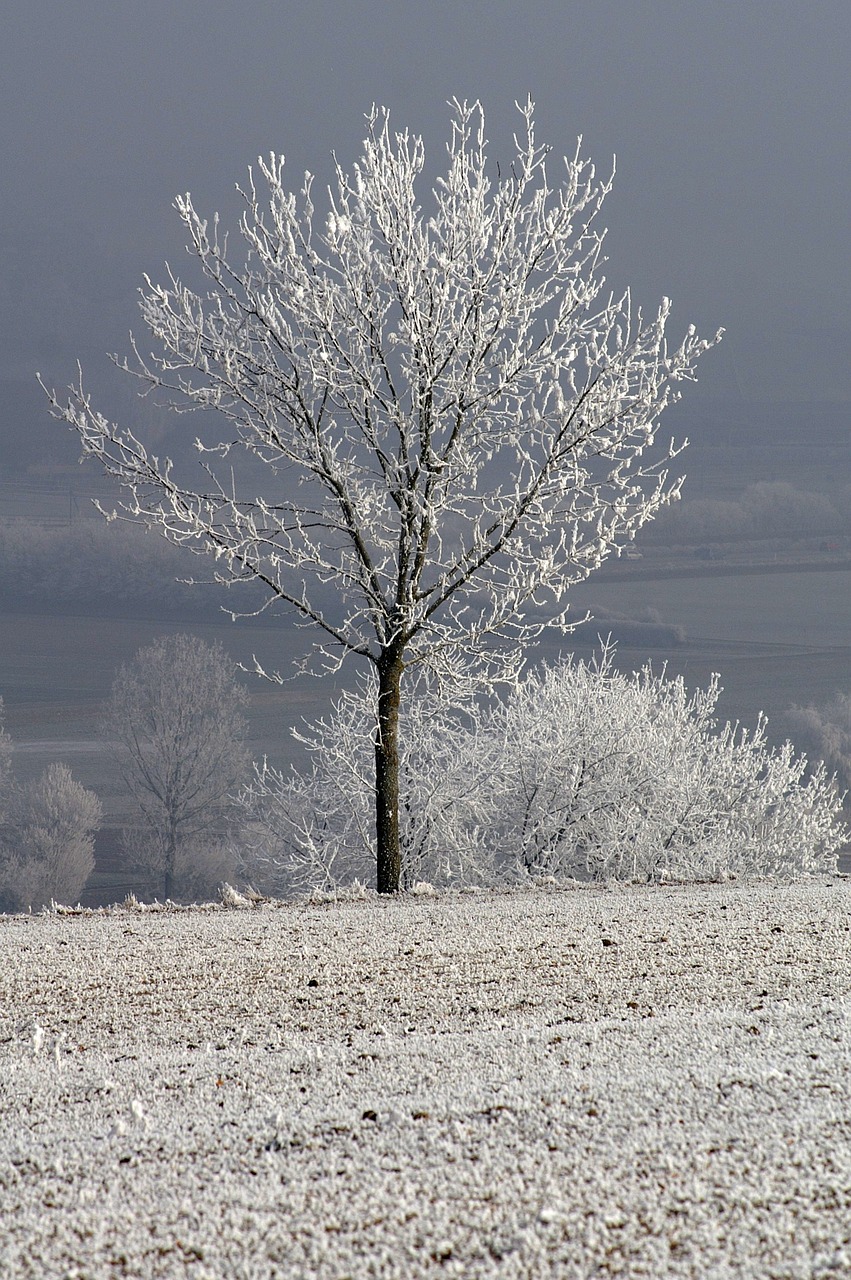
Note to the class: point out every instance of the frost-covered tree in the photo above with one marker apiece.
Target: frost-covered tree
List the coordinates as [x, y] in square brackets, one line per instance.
[175, 719]
[579, 771]
[47, 831]
[47, 841]
[454, 416]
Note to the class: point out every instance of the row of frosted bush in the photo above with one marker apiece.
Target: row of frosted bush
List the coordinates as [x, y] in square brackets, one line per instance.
[580, 771]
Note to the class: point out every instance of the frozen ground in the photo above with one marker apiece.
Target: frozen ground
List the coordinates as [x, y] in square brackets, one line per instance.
[639, 1082]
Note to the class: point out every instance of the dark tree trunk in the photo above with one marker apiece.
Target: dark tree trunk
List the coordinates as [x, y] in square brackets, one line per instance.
[168, 868]
[387, 774]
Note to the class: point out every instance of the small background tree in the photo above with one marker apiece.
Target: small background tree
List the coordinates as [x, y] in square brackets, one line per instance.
[175, 716]
[452, 413]
[47, 841]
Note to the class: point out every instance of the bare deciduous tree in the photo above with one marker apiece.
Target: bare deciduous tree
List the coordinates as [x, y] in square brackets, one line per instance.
[175, 715]
[454, 415]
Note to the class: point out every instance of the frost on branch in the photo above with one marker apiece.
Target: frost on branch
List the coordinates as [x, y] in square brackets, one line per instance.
[580, 772]
[455, 417]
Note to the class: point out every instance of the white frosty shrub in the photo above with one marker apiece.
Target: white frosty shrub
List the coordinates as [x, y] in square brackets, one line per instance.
[613, 776]
[579, 771]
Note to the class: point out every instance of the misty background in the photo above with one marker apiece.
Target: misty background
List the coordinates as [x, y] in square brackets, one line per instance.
[730, 123]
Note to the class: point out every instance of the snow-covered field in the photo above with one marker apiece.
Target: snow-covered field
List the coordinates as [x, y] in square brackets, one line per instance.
[639, 1081]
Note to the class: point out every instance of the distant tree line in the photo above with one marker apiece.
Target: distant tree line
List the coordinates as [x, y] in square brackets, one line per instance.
[645, 629]
[91, 565]
[767, 509]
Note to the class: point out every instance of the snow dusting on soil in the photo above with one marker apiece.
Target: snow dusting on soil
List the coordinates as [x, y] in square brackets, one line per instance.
[587, 1082]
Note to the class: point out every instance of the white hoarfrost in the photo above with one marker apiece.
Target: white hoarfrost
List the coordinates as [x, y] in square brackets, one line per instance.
[543, 1083]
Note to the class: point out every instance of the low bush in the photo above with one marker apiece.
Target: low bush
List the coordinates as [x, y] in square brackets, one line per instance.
[202, 863]
[767, 509]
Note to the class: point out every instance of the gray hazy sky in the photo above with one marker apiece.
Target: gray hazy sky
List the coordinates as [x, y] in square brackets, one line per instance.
[730, 120]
